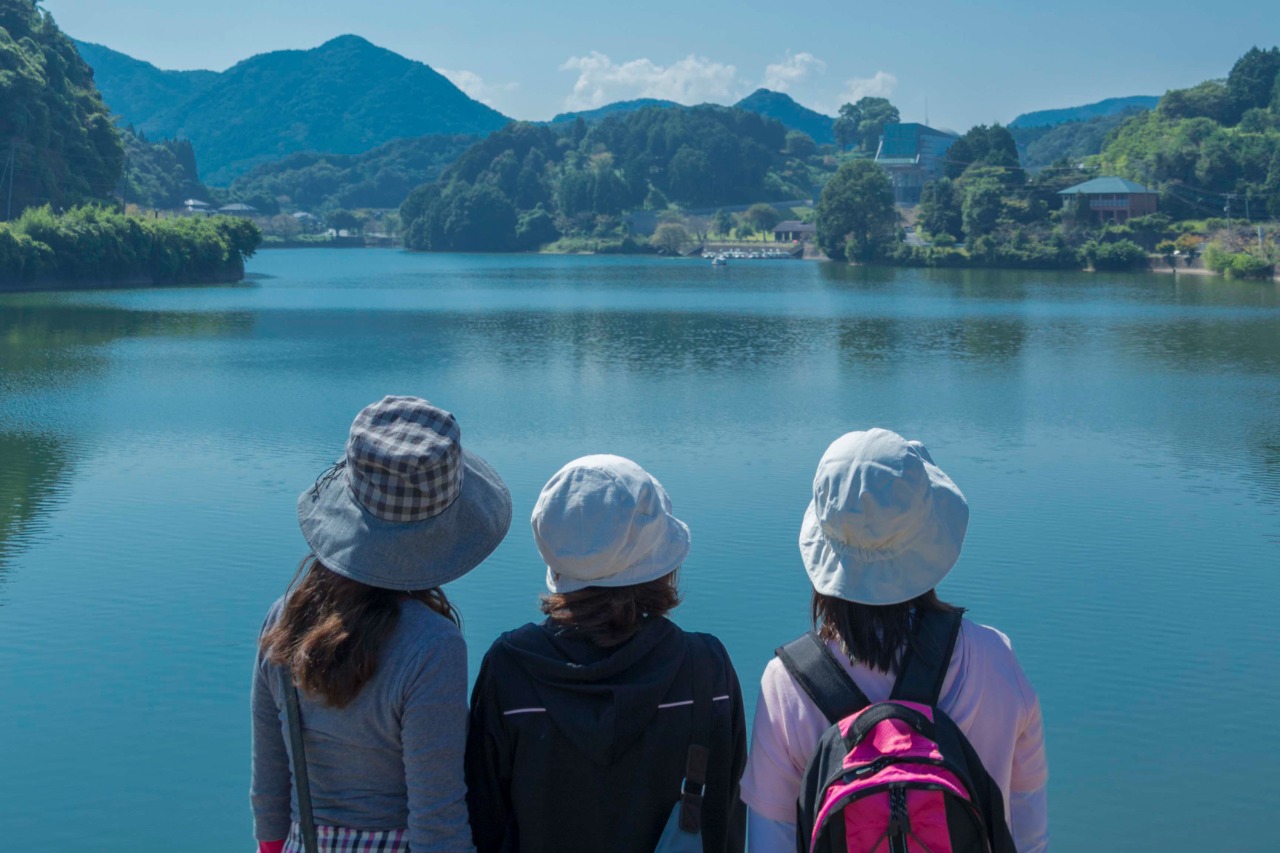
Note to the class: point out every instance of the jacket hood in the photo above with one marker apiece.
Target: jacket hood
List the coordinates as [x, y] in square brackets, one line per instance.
[600, 699]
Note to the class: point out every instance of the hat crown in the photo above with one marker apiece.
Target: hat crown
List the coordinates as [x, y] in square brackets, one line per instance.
[404, 459]
[871, 491]
[598, 516]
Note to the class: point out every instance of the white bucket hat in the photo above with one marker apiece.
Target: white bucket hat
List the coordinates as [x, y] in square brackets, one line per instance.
[605, 521]
[885, 524]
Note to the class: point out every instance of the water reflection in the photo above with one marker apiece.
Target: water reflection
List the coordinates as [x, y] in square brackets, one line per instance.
[34, 472]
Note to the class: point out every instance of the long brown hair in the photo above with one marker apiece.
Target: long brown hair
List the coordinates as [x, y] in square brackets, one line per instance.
[332, 629]
[875, 635]
[610, 616]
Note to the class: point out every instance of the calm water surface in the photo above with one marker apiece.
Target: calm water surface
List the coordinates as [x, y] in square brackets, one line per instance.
[1118, 440]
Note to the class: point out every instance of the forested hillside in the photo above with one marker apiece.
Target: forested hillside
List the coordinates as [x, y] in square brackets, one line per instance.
[1073, 141]
[782, 107]
[380, 178]
[57, 143]
[346, 97]
[136, 91]
[1101, 109]
[1208, 142]
[159, 175]
[529, 184]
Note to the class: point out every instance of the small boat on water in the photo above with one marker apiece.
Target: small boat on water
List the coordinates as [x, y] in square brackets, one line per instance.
[719, 261]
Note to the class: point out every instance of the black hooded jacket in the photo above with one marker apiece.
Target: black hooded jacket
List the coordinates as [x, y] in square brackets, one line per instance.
[577, 748]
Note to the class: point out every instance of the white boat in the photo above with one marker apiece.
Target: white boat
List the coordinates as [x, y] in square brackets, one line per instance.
[719, 261]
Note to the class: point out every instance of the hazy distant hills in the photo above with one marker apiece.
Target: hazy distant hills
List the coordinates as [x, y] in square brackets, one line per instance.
[793, 115]
[601, 113]
[344, 97]
[1109, 107]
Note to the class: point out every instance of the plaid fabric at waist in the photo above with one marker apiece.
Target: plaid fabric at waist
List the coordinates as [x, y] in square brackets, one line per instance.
[339, 839]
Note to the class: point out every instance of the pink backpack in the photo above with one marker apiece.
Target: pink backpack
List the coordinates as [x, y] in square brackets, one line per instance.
[896, 776]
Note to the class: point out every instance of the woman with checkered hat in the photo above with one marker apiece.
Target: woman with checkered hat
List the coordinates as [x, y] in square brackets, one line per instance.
[606, 727]
[359, 690]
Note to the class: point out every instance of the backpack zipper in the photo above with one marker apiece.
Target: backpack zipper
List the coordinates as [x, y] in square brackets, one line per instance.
[899, 822]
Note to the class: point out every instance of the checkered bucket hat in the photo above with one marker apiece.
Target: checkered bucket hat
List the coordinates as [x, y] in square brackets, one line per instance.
[407, 508]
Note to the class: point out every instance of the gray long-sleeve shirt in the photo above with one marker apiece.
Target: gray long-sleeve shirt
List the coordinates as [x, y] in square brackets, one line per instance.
[392, 758]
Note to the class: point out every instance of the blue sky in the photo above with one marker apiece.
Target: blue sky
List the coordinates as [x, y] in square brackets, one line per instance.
[971, 63]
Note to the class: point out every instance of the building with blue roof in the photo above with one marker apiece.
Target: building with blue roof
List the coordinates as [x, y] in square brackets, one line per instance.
[1113, 199]
[913, 154]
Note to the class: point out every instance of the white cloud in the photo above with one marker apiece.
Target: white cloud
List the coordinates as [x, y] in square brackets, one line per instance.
[476, 87]
[793, 69]
[691, 80]
[879, 85]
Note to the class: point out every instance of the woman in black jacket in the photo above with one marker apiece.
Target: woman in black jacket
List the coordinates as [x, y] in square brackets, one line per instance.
[606, 727]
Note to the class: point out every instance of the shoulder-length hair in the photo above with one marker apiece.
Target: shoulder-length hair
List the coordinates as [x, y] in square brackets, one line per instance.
[610, 616]
[875, 635]
[332, 629]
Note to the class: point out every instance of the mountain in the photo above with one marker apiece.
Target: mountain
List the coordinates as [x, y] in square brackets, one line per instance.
[346, 96]
[1111, 106]
[1044, 145]
[794, 116]
[135, 90]
[601, 113]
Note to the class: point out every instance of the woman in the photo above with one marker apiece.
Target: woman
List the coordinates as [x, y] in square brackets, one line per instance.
[884, 528]
[369, 645]
[606, 727]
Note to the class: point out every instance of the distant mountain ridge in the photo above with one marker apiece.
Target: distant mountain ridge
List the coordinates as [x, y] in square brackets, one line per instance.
[135, 90]
[1108, 107]
[346, 96]
[617, 107]
[795, 116]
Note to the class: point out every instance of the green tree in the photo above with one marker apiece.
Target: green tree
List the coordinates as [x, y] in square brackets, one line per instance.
[862, 123]
[722, 222]
[981, 209]
[856, 213]
[64, 147]
[343, 220]
[845, 128]
[800, 144]
[940, 209]
[763, 217]
[1252, 80]
[670, 237]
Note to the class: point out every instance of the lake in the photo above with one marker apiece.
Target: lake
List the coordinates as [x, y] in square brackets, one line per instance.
[1118, 439]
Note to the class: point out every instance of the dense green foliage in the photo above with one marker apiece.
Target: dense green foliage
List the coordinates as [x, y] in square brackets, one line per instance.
[54, 127]
[783, 108]
[1204, 143]
[159, 175]
[529, 182]
[1088, 112]
[381, 178]
[856, 216]
[134, 90]
[1073, 141]
[346, 96]
[992, 147]
[93, 246]
[860, 125]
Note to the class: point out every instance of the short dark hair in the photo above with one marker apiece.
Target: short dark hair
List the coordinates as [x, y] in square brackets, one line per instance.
[875, 635]
[610, 616]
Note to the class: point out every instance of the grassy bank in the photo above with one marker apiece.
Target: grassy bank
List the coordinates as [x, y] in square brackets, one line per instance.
[93, 247]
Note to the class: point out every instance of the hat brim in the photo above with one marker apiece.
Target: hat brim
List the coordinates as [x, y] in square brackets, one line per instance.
[913, 568]
[349, 540]
[662, 561]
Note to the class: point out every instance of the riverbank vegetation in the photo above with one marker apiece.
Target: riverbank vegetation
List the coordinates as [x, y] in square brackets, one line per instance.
[530, 185]
[1210, 151]
[92, 246]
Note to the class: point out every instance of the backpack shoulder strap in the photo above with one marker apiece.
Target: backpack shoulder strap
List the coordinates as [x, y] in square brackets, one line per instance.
[925, 664]
[702, 658]
[821, 676]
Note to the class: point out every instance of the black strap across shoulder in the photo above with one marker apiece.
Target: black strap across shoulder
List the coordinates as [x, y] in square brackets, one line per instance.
[925, 664]
[306, 820]
[692, 790]
[821, 676]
